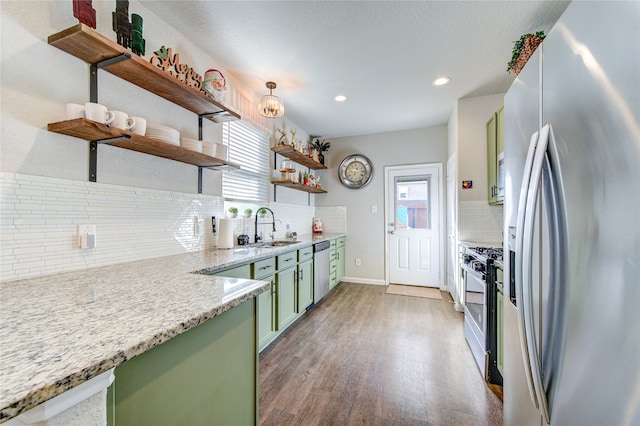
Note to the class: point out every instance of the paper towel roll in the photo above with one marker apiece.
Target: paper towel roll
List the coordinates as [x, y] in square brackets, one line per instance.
[225, 233]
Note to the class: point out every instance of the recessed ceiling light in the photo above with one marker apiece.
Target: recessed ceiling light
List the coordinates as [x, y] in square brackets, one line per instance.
[340, 98]
[441, 81]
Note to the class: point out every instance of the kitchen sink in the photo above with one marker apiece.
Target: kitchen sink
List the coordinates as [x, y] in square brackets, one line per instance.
[279, 243]
[276, 243]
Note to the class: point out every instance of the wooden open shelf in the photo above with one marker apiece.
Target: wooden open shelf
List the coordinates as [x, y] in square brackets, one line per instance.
[93, 131]
[92, 47]
[299, 187]
[290, 153]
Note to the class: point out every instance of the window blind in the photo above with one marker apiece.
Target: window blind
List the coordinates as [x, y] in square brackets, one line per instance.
[249, 148]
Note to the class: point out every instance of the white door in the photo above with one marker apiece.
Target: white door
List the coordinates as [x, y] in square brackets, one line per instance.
[413, 211]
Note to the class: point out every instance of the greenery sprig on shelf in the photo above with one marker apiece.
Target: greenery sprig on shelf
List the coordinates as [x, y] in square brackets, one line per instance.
[321, 145]
[517, 48]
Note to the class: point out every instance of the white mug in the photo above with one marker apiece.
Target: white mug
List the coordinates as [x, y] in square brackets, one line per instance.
[98, 113]
[122, 120]
[75, 111]
[140, 126]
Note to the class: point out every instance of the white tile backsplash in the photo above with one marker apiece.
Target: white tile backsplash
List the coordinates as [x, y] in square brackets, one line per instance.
[39, 217]
[334, 218]
[478, 221]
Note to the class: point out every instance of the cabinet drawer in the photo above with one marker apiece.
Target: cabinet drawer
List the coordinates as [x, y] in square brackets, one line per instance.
[333, 280]
[333, 244]
[263, 268]
[287, 260]
[305, 254]
[340, 242]
[333, 266]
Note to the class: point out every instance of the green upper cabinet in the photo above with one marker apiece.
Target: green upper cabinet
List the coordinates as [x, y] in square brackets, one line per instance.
[500, 154]
[495, 157]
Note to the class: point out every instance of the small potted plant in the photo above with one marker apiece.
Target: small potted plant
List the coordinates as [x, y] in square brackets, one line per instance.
[233, 212]
[247, 212]
[523, 48]
[262, 212]
[321, 145]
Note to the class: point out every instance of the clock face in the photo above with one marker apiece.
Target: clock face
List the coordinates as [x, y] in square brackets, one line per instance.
[355, 171]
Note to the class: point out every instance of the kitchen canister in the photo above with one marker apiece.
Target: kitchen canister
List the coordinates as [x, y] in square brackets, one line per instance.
[225, 233]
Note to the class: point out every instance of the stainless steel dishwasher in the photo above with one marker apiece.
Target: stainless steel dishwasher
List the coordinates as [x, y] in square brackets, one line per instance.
[320, 270]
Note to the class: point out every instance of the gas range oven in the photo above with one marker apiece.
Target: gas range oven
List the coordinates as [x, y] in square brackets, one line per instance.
[475, 263]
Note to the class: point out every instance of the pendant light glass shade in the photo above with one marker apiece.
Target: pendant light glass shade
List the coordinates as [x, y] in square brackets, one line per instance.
[270, 105]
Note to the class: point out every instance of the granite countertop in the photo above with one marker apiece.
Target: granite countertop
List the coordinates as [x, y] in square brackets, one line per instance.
[59, 331]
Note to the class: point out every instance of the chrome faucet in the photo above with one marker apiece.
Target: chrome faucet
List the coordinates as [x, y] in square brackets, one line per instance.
[257, 237]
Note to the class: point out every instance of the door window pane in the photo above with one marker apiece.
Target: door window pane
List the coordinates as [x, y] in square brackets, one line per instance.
[413, 202]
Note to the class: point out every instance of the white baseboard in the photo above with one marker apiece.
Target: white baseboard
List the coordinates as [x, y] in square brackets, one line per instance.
[357, 280]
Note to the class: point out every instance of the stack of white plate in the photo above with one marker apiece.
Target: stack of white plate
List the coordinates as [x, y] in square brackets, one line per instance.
[213, 149]
[191, 144]
[163, 134]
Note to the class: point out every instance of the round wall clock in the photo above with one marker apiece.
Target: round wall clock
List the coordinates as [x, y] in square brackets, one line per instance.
[355, 171]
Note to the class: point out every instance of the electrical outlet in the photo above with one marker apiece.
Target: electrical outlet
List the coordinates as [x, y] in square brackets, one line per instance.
[358, 261]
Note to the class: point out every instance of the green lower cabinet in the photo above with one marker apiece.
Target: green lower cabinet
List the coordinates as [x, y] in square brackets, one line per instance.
[333, 264]
[286, 297]
[500, 318]
[206, 376]
[305, 285]
[266, 324]
[340, 258]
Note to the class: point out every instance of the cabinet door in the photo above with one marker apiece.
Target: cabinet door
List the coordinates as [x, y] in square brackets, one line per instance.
[340, 260]
[492, 155]
[266, 321]
[286, 297]
[305, 285]
[500, 320]
[500, 155]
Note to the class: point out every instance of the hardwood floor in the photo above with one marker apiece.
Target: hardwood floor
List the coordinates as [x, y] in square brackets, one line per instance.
[363, 357]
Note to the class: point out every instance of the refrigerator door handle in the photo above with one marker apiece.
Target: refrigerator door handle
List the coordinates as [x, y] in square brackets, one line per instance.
[524, 339]
[527, 289]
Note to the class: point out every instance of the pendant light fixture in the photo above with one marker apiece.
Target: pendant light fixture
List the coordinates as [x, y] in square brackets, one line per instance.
[270, 105]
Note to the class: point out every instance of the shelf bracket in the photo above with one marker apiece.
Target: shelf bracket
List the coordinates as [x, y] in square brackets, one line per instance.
[93, 154]
[199, 180]
[275, 167]
[93, 73]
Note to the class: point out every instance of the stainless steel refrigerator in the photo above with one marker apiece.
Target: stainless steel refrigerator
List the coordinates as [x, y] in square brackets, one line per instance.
[572, 215]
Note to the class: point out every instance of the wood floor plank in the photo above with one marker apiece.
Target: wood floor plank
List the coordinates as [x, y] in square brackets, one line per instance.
[363, 357]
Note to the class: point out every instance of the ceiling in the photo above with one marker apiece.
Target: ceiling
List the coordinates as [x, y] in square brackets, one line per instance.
[382, 55]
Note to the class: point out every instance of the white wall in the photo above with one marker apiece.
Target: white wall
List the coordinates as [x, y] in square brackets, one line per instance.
[366, 230]
[39, 79]
[143, 206]
[477, 220]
